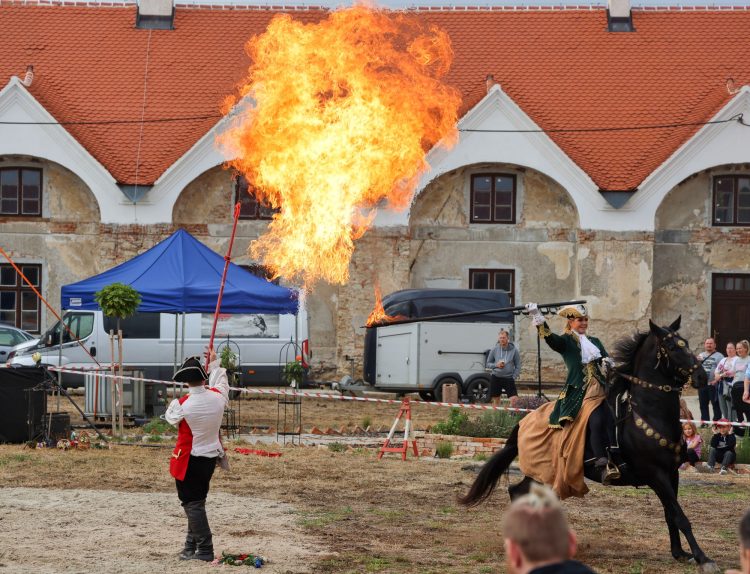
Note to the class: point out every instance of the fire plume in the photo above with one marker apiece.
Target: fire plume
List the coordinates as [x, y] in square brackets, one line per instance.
[378, 316]
[339, 119]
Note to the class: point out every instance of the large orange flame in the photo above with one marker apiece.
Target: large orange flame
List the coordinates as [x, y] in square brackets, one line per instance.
[342, 114]
[378, 316]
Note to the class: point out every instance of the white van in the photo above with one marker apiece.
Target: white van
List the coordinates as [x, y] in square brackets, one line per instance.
[263, 343]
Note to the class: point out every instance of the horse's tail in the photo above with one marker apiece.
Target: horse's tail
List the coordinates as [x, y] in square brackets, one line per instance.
[491, 472]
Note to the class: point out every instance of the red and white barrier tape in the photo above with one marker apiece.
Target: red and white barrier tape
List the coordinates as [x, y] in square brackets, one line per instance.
[84, 369]
[309, 395]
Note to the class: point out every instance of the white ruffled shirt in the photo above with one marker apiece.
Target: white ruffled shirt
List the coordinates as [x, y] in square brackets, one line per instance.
[204, 411]
[589, 351]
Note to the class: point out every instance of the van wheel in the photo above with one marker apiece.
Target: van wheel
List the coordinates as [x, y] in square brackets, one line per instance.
[439, 389]
[426, 395]
[479, 391]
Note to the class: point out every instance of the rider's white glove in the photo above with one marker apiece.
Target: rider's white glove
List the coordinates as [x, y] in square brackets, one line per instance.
[536, 315]
[608, 363]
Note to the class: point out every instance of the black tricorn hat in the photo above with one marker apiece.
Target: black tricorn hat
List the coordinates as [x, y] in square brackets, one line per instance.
[191, 371]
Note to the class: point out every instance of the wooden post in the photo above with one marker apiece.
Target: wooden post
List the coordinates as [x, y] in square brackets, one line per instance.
[113, 382]
[122, 383]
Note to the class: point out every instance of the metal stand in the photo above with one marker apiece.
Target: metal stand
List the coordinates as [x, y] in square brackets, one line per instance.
[289, 419]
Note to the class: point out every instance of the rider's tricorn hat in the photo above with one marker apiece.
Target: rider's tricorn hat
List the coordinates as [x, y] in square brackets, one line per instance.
[191, 371]
[573, 311]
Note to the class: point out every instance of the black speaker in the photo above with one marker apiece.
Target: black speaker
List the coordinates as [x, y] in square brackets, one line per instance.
[17, 400]
[58, 425]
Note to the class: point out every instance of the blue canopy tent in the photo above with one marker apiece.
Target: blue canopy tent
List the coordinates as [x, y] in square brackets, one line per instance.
[181, 275]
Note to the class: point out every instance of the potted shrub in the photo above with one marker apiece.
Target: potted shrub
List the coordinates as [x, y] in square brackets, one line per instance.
[293, 373]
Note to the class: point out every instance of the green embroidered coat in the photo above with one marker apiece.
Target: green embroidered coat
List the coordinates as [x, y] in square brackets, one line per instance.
[579, 375]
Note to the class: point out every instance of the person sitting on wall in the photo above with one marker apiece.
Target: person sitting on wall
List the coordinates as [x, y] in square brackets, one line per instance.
[505, 363]
[538, 539]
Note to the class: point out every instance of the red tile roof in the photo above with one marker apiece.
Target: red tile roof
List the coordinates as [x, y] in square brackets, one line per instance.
[561, 67]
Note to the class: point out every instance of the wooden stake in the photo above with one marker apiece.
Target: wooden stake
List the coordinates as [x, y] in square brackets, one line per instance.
[112, 390]
[122, 382]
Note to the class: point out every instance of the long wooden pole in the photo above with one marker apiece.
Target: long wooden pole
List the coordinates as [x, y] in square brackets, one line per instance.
[227, 261]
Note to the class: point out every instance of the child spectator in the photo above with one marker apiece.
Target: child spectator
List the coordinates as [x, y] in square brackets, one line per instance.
[722, 446]
[693, 443]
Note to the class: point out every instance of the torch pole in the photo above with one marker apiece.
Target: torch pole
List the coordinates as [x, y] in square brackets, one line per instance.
[227, 260]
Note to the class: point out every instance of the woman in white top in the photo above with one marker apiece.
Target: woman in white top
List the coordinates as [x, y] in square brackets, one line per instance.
[740, 409]
[723, 381]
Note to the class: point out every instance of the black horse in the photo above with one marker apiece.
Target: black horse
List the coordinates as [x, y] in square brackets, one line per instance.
[644, 393]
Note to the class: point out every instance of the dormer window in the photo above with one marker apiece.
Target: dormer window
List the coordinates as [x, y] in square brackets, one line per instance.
[731, 197]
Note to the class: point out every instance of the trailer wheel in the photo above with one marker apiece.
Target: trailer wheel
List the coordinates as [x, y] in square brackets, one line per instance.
[439, 388]
[426, 395]
[479, 391]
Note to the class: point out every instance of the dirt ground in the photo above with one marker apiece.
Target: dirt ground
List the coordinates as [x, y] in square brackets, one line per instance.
[319, 511]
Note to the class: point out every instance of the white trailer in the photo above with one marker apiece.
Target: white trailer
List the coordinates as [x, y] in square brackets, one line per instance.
[425, 355]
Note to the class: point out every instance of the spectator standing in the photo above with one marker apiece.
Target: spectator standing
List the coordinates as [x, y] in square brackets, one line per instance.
[724, 378]
[505, 363]
[710, 358]
[744, 546]
[722, 446]
[739, 407]
[537, 537]
[693, 444]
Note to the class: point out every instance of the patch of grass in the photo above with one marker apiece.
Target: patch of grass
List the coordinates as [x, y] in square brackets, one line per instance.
[387, 513]
[480, 456]
[158, 426]
[336, 447]
[635, 568]
[321, 519]
[743, 450]
[486, 569]
[479, 557]
[154, 438]
[365, 422]
[488, 424]
[447, 510]
[700, 491]
[10, 458]
[444, 449]
[376, 564]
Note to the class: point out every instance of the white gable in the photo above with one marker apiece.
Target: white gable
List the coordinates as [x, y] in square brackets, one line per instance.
[37, 135]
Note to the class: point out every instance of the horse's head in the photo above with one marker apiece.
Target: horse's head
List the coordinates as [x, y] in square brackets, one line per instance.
[674, 357]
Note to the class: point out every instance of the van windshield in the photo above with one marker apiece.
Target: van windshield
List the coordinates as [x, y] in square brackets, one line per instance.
[80, 324]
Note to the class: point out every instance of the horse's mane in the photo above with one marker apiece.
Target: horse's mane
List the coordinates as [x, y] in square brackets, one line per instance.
[626, 350]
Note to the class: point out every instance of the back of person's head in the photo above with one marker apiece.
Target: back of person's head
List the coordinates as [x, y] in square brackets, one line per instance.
[537, 524]
[745, 543]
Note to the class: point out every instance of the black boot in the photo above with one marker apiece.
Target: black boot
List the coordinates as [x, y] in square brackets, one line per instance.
[199, 528]
[189, 549]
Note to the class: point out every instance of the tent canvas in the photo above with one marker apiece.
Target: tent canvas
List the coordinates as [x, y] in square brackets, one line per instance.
[181, 275]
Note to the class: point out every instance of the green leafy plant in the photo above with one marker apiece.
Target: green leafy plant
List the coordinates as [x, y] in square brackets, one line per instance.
[366, 422]
[293, 373]
[336, 447]
[228, 359]
[118, 300]
[444, 449]
[456, 421]
[489, 424]
[158, 426]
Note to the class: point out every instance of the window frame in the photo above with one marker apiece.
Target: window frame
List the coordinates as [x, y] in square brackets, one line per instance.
[492, 272]
[493, 201]
[19, 195]
[20, 288]
[241, 192]
[735, 200]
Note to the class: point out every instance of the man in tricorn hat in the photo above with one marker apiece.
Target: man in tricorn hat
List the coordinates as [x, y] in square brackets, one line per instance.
[198, 417]
[584, 357]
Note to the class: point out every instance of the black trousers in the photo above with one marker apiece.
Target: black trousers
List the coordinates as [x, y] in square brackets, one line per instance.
[197, 479]
[707, 396]
[601, 430]
[741, 407]
[500, 384]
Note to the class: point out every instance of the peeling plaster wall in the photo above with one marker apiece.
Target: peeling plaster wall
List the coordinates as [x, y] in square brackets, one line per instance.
[688, 250]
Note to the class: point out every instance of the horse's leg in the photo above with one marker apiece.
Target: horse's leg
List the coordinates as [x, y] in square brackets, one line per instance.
[662, 486]
[674, 532]
[520, 488]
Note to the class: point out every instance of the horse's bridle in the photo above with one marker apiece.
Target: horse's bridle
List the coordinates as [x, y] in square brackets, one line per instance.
[663, 352]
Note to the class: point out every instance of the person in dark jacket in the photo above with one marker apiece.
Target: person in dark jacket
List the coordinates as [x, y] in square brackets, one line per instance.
[722, 446]
[537, 537]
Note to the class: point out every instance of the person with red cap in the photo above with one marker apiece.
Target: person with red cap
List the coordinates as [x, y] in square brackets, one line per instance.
[198, 417]
[722, 446]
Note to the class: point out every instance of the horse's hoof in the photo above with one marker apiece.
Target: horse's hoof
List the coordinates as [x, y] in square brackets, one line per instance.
[709, 567]
[683, 556]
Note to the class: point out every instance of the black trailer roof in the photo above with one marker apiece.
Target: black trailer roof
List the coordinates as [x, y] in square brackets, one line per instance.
[422, 303]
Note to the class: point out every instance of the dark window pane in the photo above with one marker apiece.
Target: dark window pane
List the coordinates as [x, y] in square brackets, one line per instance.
[725, 184]
[504, 184]
[7, 276]
[504, 198]
[9, 183]
[480, 280]
[7, 300]
[738, 283]
[139, 326]
[503, 214]
[482, 183]
[32, 274]
[266, 212]
[743, 215]
[482, 197]
[9, 206]
[29, 301]
[32, 183]
[29, 321]
[502, 281]
[481, 213]
[719, 283]
[8, 317]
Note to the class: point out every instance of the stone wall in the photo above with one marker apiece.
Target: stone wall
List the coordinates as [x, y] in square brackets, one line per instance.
[462, 445]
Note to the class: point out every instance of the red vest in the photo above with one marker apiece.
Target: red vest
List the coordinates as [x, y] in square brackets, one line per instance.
[178, 464]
